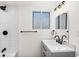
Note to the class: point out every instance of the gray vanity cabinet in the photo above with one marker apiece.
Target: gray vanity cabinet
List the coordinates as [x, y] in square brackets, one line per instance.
[45, 52]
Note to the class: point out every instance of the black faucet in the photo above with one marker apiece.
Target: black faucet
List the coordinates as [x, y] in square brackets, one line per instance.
[60, 40]
[57, 38]
[63, 37]
[4, 49]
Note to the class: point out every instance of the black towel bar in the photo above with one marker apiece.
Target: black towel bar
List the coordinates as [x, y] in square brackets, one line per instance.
[27, 31]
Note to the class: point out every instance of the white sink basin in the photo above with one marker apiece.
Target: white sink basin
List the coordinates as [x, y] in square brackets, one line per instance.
[56, 47]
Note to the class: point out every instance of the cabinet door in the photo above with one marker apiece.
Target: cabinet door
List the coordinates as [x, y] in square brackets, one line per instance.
[45, 51]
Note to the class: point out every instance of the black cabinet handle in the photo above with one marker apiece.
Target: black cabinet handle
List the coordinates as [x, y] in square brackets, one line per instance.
[44, 54]
[44, 48]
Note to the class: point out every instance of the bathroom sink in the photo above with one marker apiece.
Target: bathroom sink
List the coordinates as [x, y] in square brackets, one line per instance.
[63, 48]
[56, 47]
[58, 50]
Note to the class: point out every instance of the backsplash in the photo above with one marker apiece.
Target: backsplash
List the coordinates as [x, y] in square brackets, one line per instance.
[60, 33]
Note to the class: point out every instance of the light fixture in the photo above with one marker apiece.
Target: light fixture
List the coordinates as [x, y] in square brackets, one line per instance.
[63, 2]
[55, 9]
[59, 6]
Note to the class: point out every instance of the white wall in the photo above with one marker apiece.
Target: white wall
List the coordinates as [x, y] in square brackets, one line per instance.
[30, 43]
[9, 22]
[72, 8]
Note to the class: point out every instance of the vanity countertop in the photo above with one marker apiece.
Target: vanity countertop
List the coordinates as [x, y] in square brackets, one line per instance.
[53, 46]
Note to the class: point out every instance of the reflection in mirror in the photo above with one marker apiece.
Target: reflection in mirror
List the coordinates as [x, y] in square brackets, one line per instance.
[57, 22]
[61, 21]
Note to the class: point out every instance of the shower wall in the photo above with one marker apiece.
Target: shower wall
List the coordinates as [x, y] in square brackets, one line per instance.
[9, 22]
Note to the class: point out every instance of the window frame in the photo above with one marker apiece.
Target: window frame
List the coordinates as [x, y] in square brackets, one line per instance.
[40, 12]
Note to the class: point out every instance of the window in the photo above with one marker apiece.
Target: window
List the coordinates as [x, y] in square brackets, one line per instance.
[41, 20]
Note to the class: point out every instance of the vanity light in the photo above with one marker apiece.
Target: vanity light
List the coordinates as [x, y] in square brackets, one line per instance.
[63, 2]
[55, 9]
[59, 6]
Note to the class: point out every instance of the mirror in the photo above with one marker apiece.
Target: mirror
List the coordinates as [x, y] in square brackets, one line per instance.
[61, 21]
[57, 22]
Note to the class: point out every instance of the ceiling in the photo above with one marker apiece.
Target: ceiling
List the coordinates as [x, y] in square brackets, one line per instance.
[22, 3]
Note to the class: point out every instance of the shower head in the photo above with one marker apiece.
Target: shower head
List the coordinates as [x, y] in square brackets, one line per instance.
[3, 8]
